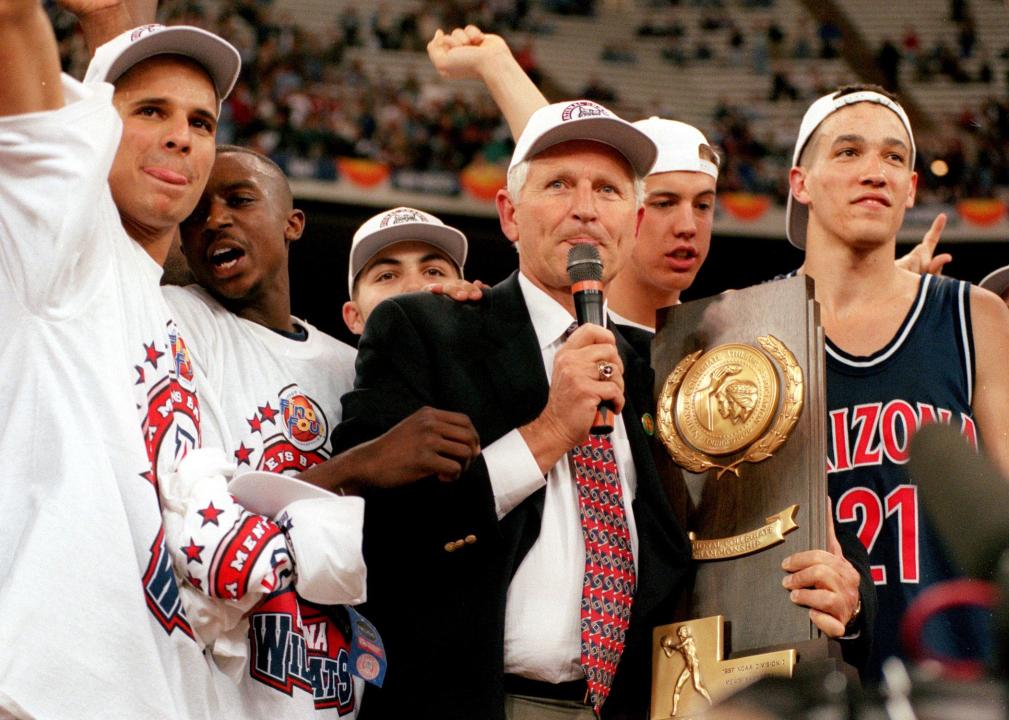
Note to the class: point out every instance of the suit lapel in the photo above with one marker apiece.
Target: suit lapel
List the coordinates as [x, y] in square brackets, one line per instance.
[663, 547]
[512, 351]
[512, 354]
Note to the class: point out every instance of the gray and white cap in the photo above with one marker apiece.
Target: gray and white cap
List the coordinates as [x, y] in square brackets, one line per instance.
[797, 214]
[401, 225]
[217, 56]
[584, 120]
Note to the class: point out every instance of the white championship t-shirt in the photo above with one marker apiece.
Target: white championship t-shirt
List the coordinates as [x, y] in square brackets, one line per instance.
[90, 619]
[271, 403]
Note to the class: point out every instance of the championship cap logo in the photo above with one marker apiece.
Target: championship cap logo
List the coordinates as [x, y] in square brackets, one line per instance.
[402, 215]
[304, 422]
[139, 32]
[584, 109]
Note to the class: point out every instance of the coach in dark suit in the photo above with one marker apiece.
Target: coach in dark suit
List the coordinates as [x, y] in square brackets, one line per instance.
[476, 584]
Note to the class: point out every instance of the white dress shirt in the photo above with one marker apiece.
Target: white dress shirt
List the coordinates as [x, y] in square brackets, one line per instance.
[543, 615]
[621, 320]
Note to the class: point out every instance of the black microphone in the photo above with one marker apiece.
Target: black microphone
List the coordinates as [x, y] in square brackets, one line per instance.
[585, 270]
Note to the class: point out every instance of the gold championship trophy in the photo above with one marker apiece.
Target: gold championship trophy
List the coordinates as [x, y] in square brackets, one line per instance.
[740, 411]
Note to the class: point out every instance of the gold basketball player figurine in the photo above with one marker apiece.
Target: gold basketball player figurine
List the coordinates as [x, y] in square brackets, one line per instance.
[691, 668]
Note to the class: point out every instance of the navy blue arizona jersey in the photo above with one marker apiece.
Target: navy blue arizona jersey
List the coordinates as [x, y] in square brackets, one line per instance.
[875, 404]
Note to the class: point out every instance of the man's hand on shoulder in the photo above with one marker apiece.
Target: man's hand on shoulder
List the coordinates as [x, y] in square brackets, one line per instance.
[922, 258]
[428, 442]
[826, 583]
[577, 386]
[460, 290]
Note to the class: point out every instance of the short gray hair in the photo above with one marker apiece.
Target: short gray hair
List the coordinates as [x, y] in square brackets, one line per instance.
[518, 173]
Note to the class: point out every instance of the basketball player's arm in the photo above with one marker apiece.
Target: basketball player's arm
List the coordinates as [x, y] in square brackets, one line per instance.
[102, 20]
[29, 58]
[990, 322]
[425, 443]
[471, 53]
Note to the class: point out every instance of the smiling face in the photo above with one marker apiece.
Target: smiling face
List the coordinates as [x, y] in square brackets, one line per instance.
[403, 267]
[675, 231]
[169, 110]
[575, 192]
[856, 178]
[236, 241]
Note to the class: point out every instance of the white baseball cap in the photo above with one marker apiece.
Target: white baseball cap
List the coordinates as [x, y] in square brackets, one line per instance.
[584, 120]
[217, 56]
[267, 493]
[679, 146]
[997, 281]
[797, 214]
[323, 529]
[400, 225]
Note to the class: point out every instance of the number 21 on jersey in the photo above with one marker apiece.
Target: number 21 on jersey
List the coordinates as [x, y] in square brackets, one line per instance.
[901, 503]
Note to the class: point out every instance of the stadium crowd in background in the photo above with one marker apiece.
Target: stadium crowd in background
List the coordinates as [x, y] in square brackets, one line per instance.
[304, 101]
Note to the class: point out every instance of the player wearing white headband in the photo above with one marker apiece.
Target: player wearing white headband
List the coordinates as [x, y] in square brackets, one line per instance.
[903, 349]
[675, 230]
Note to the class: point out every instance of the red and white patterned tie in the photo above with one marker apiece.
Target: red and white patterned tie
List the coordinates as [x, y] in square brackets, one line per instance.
[608, 588]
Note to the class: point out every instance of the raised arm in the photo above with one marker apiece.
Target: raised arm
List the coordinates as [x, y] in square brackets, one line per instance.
[102, 20]
[990, 321]
[29, 58]
[471, 53]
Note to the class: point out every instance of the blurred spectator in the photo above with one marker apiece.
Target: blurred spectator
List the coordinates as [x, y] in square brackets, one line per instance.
[617, 51]
[673, 52]
[830, 40]
[599, 91]
[782, 87]
[888, 61]
[910, 43]
[775, 40]
[966, 37]
[802, 48]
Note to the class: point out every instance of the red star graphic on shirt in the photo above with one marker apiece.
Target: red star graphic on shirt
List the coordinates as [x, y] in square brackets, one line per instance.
[254, 424]
[192, 551]
[140, 374]
[194, 581]
[152, 355]
[210, 514]
[267, 412]
[242, 454]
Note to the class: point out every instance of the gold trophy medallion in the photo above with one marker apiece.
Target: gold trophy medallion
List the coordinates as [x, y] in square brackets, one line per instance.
[718, 403]
[727, 399]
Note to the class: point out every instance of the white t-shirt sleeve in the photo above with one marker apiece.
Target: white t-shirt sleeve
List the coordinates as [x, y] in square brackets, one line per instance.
[54, 169]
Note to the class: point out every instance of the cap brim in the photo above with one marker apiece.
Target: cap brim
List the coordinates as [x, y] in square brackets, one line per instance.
[622, 136]
[796, 220]
[267, 493]
[997, 281]
[221, 61]
[446, 238]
